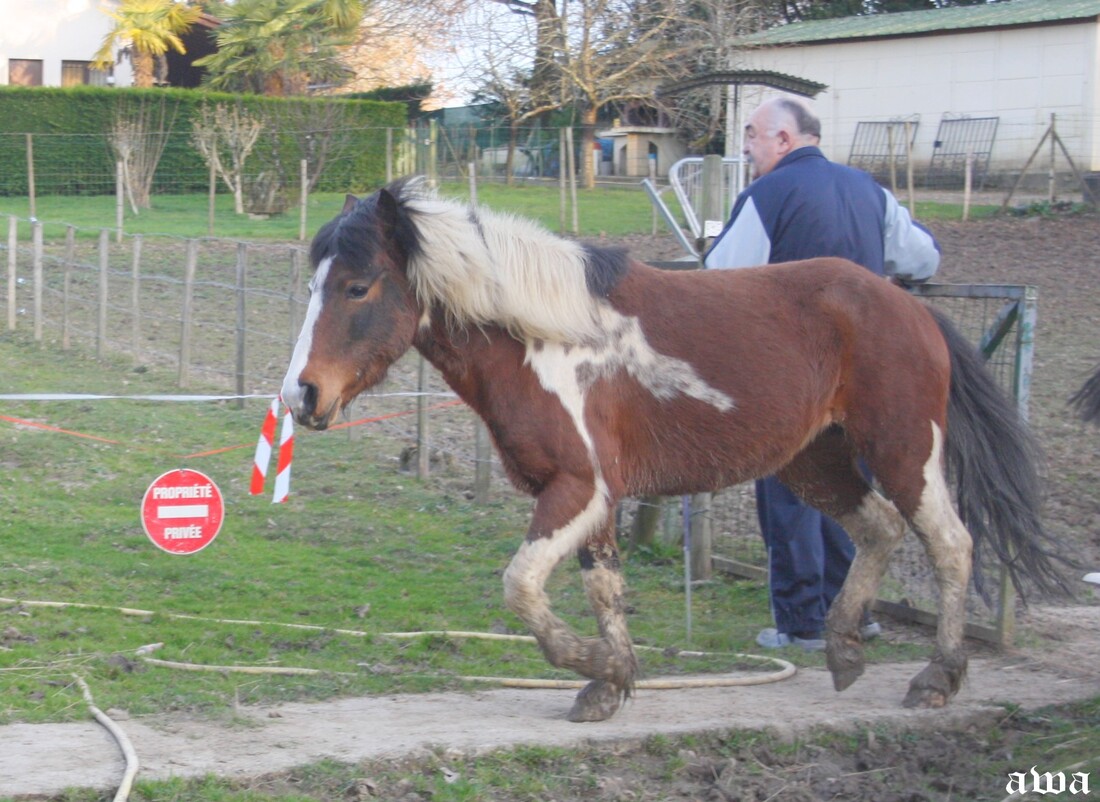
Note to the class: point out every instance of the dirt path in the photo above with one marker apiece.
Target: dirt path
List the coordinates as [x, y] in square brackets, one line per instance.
[44, 759]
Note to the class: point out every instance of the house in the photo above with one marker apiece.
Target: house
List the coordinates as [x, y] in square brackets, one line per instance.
[985, 80]
[51, 43]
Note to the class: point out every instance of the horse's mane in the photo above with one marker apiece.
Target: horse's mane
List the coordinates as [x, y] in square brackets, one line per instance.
[487, 268]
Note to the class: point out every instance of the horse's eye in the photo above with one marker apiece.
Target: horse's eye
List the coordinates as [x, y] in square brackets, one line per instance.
[357, 291]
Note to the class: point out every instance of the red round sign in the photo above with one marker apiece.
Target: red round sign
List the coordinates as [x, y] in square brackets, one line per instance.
[182, 511]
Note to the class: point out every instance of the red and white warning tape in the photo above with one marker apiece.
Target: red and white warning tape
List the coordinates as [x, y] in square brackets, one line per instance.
[286, 452]
[264, 447]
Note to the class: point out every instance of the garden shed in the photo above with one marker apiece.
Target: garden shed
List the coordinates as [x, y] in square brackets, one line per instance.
[998, 73]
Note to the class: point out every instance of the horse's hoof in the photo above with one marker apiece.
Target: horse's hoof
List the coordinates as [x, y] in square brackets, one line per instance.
[934, 685]
[844, 657]
[597, 701]
[924, 698]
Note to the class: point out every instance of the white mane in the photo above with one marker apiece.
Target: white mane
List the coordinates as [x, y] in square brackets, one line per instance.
[485, 268]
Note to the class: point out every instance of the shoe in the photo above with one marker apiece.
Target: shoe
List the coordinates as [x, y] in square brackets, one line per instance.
[772, 638]
[870, 630]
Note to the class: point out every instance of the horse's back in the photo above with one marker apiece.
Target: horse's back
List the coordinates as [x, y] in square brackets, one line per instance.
[796, 347]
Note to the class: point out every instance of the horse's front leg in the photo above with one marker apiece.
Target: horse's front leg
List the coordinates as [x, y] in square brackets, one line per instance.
[574, 517]
[604, 584]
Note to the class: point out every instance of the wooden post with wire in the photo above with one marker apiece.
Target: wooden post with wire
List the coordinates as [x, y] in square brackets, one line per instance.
[189, 270]
[1052, 134]
[104, 272]
[135, 299]
[13, 279]
[37, 257]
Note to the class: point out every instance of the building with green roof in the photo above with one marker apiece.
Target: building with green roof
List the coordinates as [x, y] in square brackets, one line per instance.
[993, 74]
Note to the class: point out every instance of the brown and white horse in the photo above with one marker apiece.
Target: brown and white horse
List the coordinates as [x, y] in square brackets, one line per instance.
[600, 377]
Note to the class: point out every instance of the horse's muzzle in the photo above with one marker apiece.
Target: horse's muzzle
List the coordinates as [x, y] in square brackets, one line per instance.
[305, 411]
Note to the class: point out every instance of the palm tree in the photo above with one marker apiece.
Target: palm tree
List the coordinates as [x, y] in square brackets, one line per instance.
[277, 47]
[148, 28]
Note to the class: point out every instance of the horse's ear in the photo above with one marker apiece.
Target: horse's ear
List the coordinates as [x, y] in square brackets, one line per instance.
[389, 209]
[349, 203]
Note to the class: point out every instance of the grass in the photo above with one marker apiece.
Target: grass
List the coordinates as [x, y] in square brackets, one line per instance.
[610, 210]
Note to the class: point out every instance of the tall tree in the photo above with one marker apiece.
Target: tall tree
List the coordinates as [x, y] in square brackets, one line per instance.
[147, 28]
[279, 47]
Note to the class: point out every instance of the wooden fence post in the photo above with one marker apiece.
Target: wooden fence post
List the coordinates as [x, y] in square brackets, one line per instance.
[211, 198]
[909, 168]
[293, 288]
[13, 278]
[30, 176]
[36, 237]
[389, 155]
[483, 455]
[66, 284]
[135, 300]
[120, 203]
[563, 202]
[189, 269]
[304, 202]
[422, 446]
[101, 313]
[242, 269]
[701, 536]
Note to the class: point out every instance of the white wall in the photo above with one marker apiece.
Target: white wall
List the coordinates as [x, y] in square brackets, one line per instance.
[55, 31]
[1021, 75]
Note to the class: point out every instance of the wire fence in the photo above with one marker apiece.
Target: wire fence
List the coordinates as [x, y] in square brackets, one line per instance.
[39, 164]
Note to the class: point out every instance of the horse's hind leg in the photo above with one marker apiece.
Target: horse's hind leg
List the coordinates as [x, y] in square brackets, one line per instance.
[562, 526]
[825, 475]
[950, 547]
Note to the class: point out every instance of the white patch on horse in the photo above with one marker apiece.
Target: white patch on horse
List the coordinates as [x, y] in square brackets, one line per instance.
[569, 371]
[529, 569]
[292, 391]
[947, 539]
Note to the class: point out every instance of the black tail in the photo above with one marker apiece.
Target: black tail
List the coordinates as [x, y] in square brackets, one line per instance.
[1086, 401]
[992, 458]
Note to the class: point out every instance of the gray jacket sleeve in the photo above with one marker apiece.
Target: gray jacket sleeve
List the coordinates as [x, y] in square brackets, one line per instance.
[911, 253]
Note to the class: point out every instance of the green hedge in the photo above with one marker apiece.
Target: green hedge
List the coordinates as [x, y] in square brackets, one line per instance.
[72, 155]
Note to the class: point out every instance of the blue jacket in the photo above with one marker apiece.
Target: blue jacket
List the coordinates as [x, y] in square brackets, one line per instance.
[808, 206]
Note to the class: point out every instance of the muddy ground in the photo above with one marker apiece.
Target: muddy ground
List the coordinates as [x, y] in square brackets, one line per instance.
[885, 754]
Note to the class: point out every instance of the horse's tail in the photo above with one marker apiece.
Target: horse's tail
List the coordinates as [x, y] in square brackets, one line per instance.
[992, 459]
[1086, 401]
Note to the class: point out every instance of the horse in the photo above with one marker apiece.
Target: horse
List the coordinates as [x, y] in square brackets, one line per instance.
[600, 377]
[1086, 401]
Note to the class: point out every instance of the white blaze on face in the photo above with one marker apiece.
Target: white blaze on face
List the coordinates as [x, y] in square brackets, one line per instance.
[292, 391]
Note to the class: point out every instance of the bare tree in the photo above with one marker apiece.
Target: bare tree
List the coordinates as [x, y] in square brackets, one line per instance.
[138, 135]
[319, 130]
[712, 26]
[225, 136]
[618, 52]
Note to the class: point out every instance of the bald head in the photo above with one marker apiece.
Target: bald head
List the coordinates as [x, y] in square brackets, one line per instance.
[777, 127]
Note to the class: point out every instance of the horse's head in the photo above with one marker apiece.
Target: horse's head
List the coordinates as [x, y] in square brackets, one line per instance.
[362, 312]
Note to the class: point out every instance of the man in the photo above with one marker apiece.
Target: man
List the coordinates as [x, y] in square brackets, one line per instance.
[799, 206]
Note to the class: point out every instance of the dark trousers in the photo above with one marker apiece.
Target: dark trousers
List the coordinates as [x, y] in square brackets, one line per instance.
[808, 557]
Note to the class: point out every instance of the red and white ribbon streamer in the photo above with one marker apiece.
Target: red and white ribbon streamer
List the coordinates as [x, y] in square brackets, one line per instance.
[264, 447]
[286, 452]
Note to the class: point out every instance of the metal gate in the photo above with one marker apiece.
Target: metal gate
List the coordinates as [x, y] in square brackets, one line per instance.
[882, 149]
[958, 140]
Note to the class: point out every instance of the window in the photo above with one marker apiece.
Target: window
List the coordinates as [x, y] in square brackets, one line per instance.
[25, 71]
[78, 73]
